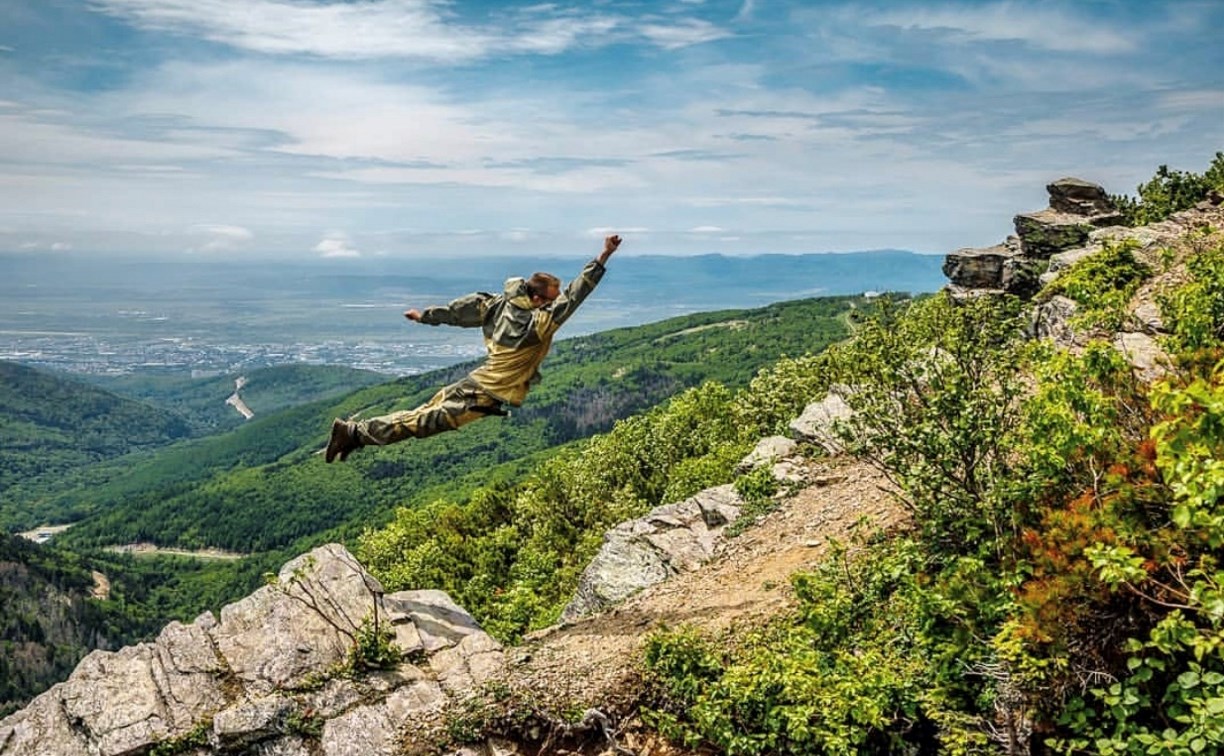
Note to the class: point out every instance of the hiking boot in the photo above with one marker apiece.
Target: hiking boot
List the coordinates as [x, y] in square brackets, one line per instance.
[343, 440]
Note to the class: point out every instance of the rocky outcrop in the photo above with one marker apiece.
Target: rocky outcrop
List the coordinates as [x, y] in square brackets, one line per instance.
[1080, 222]
[262, 678]
[818, 422]
[669, 540]
[1077, 208]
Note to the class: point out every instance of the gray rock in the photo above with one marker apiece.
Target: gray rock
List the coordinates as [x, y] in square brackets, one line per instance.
[116, 701]
[978, 268]
[244, 673]
[289, 745]
[250, 721]
[1079, 197]
[1143, 353]
[42, 728]
[818, 421]
[364, 731]
[767, 451]
[636, 554]
[1065, 259]
[374, 729]
[1147, 316]
[476, 659]
[1022, 275]
[282, 634]
[1052, 320]
[1046, 232]
[438, 621]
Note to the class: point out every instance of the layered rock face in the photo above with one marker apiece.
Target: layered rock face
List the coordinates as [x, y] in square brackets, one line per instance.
[265, 677]
[1015, 266]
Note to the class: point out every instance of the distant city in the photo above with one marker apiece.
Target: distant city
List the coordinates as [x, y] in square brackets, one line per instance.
[96, 355]
[87, 315]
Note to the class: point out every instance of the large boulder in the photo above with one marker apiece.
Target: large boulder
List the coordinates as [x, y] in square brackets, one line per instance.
[818, 422]
[981, 268]
[1019, 266]
[1078, 197]
[1048, 231]
[670, 539]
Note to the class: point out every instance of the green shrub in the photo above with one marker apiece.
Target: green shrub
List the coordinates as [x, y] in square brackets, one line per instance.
[935, 395]
[1170, 191]
[1194, 312]
[1102, 285]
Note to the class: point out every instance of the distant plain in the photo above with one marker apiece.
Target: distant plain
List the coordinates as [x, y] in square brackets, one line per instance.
[103, 316]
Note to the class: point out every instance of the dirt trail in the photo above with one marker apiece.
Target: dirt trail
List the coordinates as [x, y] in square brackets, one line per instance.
[593, 662]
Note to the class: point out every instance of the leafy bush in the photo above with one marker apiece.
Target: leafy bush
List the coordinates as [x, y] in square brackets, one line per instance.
[1170, 191]
[935, 398]
[850, 672]
[1194, 312]
[1170, 699]
[1102, 285]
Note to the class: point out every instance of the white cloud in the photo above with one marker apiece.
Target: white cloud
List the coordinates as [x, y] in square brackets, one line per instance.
[706, 230]
[683, 34]
[1040, 27]
[1199, 99]
[60, 246]
[219, 237]
[34, 140]
[336, 244]
[415, 29]
[601, 232]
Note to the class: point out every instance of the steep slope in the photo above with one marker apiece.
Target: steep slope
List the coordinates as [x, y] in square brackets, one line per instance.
[50, 424]
[48, 618]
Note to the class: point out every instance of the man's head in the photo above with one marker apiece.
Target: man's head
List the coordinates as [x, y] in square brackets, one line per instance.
[543, 288]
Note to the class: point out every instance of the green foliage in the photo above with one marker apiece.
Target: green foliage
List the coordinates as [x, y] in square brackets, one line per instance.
[936, 398]
[1170, 191]
[373, 647]
[48, 619]
[851, 672]
[188, 743]
[307, 722]
[1102, 285]
[50, 425]
[201, 401]
[1194, 312]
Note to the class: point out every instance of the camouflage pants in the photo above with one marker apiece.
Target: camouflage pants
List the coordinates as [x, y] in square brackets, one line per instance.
[454, 406]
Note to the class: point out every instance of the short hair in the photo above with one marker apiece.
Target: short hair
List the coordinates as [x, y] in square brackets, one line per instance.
[541, 282]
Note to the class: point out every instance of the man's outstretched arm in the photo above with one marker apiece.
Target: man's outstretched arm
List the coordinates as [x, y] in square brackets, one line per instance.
[578, 289]
[466, 312]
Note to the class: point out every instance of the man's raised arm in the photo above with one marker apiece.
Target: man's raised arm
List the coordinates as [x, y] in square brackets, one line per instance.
[578, 289]
[466, 312]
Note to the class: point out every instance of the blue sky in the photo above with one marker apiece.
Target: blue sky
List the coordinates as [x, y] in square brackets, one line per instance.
[310, 128]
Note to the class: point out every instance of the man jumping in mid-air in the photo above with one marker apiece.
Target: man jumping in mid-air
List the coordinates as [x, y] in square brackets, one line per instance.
[519, 325]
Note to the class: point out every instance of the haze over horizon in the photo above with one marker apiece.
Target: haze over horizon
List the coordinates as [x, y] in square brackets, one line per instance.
[307, 129]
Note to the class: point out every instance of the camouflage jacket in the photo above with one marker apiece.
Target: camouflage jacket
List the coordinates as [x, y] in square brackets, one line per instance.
[516, 336]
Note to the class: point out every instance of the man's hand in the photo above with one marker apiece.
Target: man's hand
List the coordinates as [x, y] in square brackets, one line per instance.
[610, 245]
[413, 315]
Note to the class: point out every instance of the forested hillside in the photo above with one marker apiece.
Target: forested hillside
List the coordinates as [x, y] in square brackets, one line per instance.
[201, 401]
[49, 618]
[261, 486]
[50, 424]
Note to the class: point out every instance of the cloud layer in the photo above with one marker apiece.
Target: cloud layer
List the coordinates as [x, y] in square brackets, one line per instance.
[412, 127]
